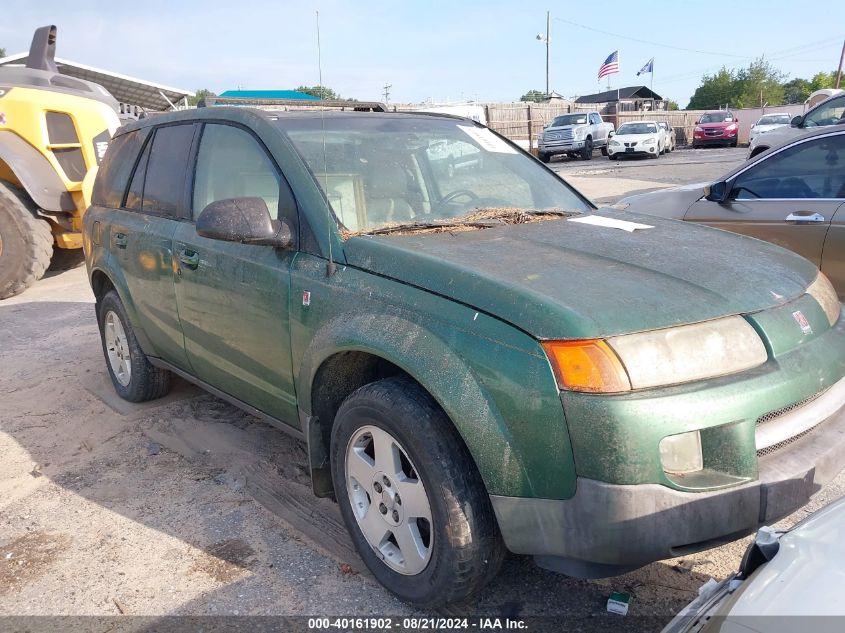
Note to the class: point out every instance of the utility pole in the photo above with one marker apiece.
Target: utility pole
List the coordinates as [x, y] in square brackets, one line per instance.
[547, 40]
[386, 92]
[839, 71]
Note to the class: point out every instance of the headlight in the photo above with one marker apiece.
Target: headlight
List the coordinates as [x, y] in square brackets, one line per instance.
[579, 134]
[731, 127]
[648, 141]
[657, 358]
[822, 291]
[615, 144]
[681, 453]
[699, 129]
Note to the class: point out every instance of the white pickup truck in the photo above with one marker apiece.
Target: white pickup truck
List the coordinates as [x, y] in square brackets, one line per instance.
[576, 134]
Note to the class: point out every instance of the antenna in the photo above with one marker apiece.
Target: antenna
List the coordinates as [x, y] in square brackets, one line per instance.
[331, 269]
[386, 92]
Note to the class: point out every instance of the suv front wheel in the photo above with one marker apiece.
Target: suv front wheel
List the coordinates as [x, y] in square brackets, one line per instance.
[134, 378]
[411, 497]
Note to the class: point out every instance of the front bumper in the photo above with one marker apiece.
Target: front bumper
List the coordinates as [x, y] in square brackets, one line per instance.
[625, 526]
[714, 140]
[620, 151]
[560, 148]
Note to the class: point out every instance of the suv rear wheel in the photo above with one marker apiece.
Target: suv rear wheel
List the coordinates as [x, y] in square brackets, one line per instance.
[411, 497]
[134, 378]
[587, 152]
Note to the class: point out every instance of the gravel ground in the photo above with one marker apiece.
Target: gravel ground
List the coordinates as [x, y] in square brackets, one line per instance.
[187, 506]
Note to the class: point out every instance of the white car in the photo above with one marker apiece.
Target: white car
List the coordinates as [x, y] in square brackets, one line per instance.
[796, 573]
[637, 138]
[769, 122]
[668, 136]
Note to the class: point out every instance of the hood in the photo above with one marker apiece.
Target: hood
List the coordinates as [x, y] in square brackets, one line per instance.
[721, 125]
[558, 128]
[762, 129]
[562, 279]
[635, 138]
[673, 202]
[778, 135]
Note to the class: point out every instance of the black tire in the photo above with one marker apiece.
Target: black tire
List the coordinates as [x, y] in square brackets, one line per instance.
[67, 258]
[146, 382]
[735, 142]
[604, 150]
[457, 568]
[587, 151]
[26, 242]
[544, 157]
[614, 157]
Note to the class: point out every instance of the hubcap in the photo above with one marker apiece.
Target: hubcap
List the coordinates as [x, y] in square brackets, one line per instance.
[117, 348]
[389, 500]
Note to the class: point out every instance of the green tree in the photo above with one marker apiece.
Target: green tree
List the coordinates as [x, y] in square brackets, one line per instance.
[2, 52]
[535, 96]
[322, 92]
[202, 92]
[758, 84]
[796, 91]
[822, 80]
[717, 89]
[671, 104]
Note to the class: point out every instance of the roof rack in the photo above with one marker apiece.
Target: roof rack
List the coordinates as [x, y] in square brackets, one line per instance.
[294, 104]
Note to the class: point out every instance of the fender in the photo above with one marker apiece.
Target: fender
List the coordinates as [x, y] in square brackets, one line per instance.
[504, 459]
[103, 263]
[36, 174]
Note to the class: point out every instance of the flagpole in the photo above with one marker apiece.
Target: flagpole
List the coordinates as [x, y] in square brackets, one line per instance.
[652, 85]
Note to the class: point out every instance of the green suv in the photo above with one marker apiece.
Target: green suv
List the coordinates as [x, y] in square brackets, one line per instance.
[479, 360]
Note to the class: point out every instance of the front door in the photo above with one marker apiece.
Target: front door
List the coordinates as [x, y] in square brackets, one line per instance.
[233, 298]
[788, 198]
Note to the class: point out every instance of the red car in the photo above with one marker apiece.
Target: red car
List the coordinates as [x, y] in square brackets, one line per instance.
[716, 128]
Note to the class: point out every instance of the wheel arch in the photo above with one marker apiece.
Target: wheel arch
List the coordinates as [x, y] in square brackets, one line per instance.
[341, 359]
[104, 278]
[35, 174]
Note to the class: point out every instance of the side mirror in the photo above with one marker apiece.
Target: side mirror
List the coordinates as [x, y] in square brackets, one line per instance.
[698, 121]
[611, 133]
[717, 192]
[796, 121]
[243, 220]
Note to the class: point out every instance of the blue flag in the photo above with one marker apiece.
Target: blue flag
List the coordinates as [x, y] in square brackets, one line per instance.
[648, 68]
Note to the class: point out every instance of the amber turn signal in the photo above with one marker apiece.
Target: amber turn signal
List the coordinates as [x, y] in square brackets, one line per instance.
[589, 365]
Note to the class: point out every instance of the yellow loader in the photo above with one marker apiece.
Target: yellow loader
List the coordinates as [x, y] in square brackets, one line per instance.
[54, 131]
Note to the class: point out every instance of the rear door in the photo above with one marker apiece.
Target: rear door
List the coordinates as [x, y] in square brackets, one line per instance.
[233, 298]
[789, 198]
[141, 237]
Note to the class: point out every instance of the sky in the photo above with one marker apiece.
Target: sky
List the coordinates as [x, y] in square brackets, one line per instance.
[435, 50]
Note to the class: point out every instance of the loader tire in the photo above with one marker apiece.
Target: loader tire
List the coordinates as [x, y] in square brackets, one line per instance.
[26, 242]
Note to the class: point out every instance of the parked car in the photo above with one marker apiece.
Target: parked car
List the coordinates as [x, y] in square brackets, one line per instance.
[638, 138]
[668, 135]
[792, 195]
[450, 157]
[787, 578]
[767, 123]
[476, 363]
[716, 128]
[828, 112]
[576, 134]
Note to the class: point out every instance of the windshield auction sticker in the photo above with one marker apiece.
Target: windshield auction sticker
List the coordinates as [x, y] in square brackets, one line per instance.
[487, 140]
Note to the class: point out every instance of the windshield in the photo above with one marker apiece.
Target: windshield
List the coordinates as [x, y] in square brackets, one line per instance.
[637, 128]
[381, 170]
[775, 119]
[717, 117]
[569, 119]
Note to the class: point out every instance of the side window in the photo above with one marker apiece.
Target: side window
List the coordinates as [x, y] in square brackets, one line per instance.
[135, 195]
[166, 167]
[113, 174]
[827, 114]
[232, 164]
[808, 170]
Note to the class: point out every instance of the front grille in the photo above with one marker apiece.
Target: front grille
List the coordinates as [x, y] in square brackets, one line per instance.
[631, 144]
[563, 135]
[772, 415]
[776, 447]
[711, 131]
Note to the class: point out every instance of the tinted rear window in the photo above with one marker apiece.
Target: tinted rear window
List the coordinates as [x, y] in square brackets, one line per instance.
[165, 181]
[113, 174]
[136, 188]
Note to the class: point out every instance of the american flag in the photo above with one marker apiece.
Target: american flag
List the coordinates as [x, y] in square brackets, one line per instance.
[610, 65]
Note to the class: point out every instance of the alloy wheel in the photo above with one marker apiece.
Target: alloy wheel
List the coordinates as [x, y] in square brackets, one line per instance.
[117, 348]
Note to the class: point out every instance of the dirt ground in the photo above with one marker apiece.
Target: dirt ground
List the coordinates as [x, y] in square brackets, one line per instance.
[187, 506]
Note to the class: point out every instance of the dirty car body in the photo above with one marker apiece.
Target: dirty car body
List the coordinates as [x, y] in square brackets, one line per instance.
[612, 401]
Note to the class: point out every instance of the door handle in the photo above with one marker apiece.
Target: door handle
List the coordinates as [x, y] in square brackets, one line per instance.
[190, 258]
[120, 240]
[805, 216]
